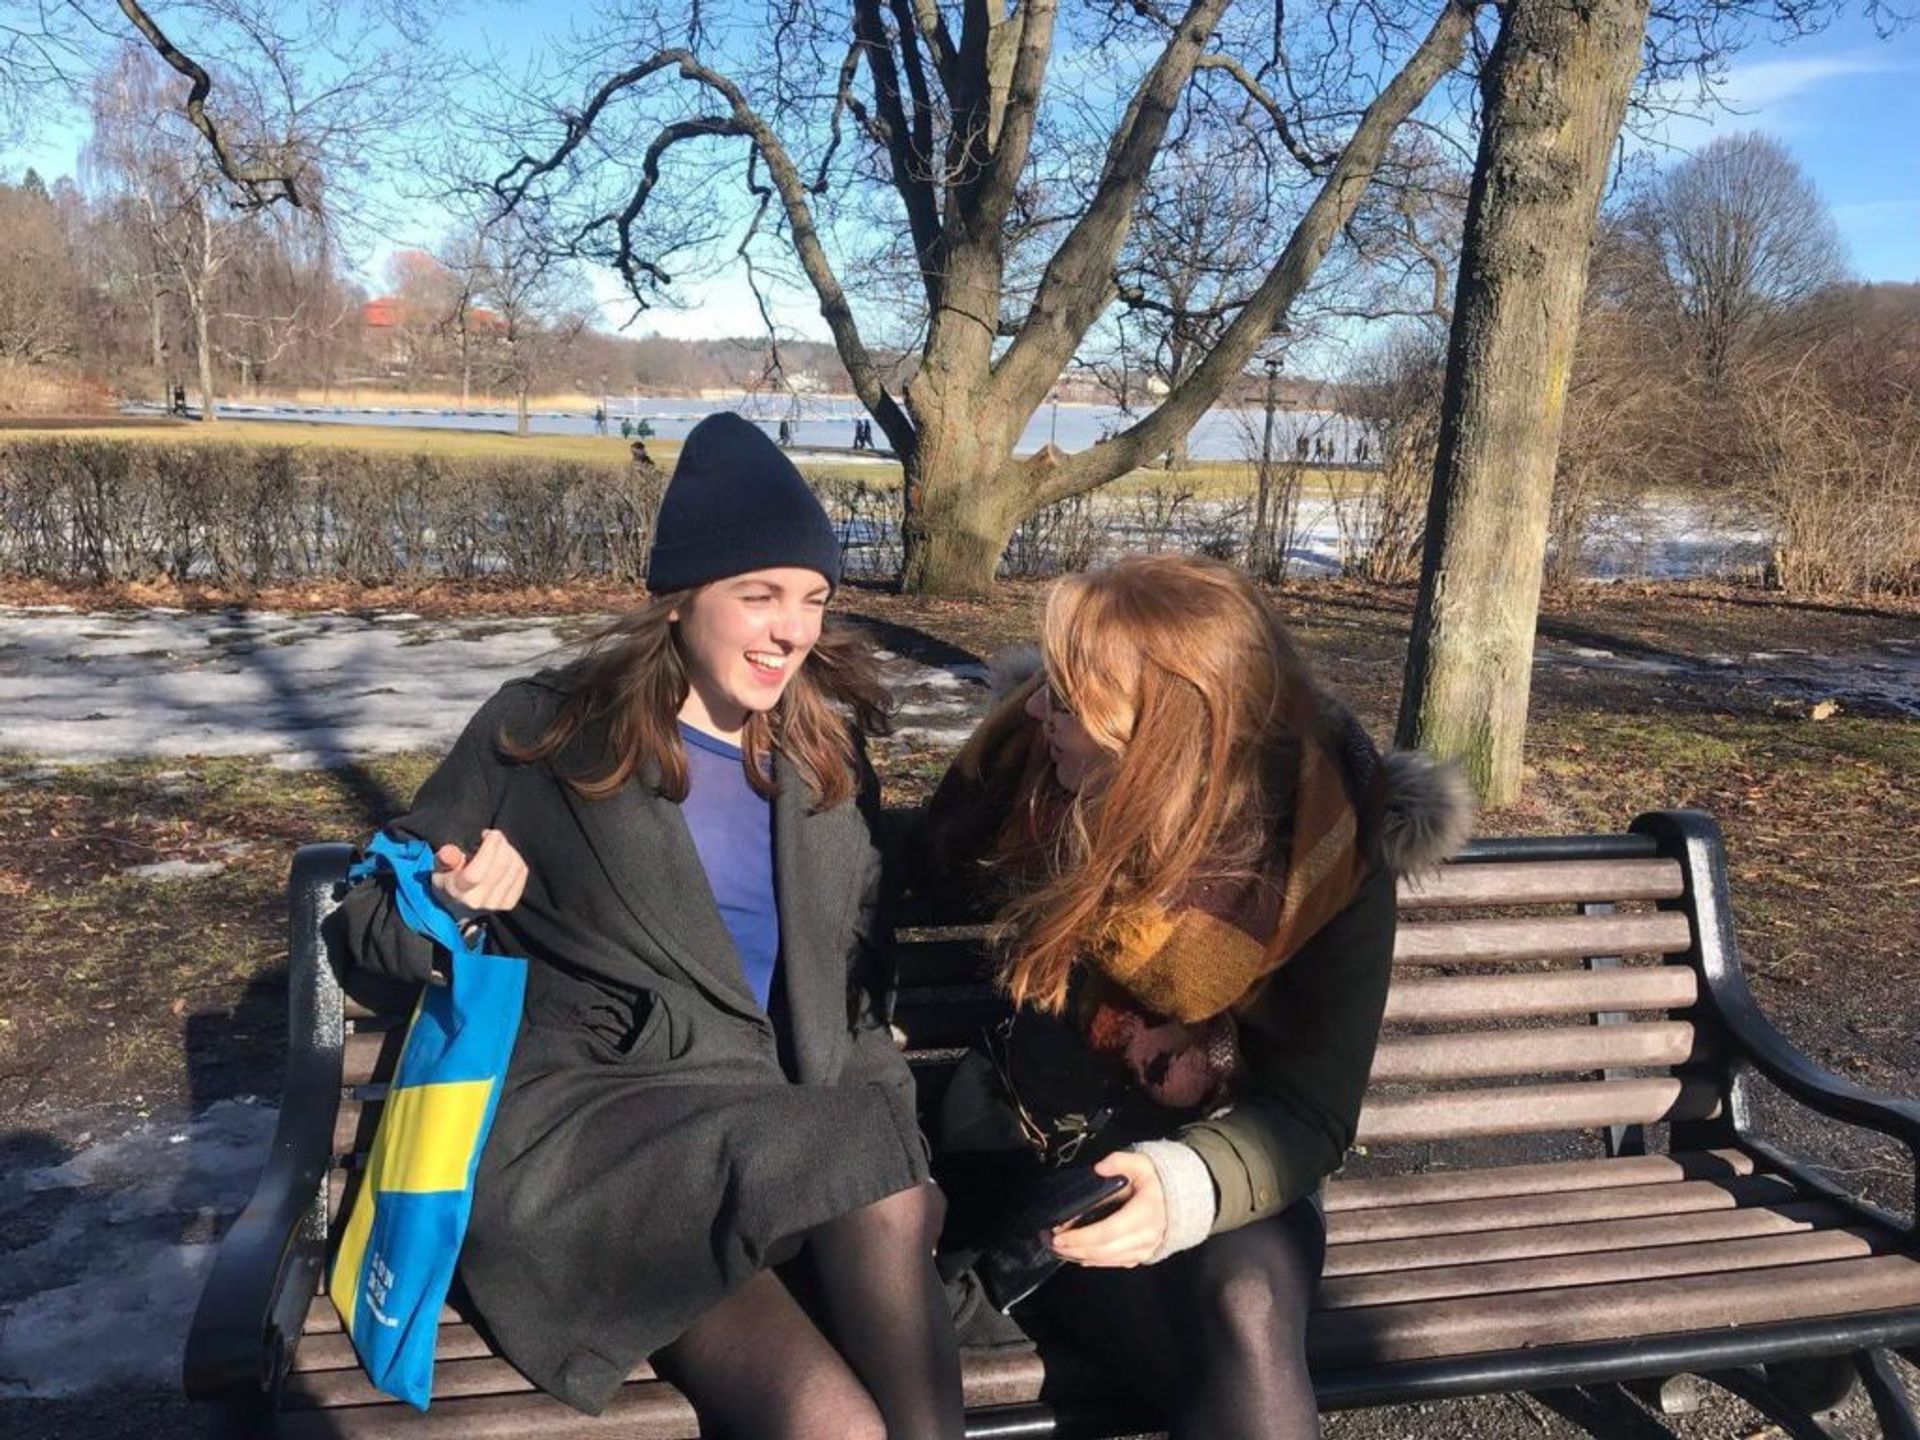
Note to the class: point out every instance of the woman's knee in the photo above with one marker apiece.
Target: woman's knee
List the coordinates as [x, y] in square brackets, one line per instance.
[1255, 1289]
[911, 1217]
[825, 1407]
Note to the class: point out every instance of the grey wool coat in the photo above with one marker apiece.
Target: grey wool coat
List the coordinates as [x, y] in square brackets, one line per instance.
[659, 1138]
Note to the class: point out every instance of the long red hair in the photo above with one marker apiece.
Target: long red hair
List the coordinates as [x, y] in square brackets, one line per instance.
[1187, 681]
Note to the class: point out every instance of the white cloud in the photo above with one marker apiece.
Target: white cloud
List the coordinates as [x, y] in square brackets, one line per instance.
[1775, 96]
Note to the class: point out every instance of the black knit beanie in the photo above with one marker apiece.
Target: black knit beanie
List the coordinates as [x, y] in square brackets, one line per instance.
[736, 503]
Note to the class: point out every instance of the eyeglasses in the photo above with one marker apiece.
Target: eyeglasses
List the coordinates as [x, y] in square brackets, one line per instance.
[1050, 697]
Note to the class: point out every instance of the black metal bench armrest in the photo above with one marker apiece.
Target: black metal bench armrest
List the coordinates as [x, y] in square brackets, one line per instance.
[1693, 839]
[267, 1267]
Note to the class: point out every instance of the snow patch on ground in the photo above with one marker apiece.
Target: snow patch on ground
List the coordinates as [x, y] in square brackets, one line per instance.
[125, 1227]
[297, 690]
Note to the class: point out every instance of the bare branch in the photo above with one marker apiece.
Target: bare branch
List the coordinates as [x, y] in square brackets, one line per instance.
[1315, 164]
[910, 171]
[512, 184]
[260, 185]
[1339, 196]
[1075, 287]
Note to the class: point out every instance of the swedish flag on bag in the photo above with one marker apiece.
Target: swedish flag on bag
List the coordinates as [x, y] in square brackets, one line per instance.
[403, 1234]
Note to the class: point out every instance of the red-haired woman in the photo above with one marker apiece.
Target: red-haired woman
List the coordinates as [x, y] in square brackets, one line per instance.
[1193, 850]
[675, 829]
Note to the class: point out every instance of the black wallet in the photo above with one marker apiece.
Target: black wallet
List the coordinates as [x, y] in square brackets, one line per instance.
[1021, 1257]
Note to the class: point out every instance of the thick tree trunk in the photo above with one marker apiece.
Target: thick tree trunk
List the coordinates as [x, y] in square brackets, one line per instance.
[1554, 90]
[966, 496]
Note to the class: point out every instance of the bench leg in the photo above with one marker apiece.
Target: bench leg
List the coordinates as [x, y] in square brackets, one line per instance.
[1781, 1398]
[1890, 1404]
[1818, 1386]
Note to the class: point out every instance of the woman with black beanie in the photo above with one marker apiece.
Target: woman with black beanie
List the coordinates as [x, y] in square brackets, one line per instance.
[705, 1121]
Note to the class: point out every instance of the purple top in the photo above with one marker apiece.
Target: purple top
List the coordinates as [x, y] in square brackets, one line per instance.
[732, 828]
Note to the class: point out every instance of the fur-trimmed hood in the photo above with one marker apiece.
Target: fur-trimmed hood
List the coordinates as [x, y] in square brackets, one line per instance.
[1428, 812]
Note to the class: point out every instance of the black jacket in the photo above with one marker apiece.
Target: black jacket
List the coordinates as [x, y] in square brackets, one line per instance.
[659, 1138]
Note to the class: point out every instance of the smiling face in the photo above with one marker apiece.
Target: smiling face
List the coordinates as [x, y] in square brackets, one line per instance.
[744, 639]
[1075, 755]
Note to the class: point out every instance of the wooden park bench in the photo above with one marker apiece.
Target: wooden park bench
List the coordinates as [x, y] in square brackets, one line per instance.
[1577, 998]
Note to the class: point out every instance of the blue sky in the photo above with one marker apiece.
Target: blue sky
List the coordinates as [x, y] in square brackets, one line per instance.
[1845, 102]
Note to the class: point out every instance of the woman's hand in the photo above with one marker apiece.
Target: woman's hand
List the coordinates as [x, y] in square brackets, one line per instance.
[492, 878]
[1130, 1234]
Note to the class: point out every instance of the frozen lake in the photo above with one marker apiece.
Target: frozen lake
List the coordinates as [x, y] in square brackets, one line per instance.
[1222, 434]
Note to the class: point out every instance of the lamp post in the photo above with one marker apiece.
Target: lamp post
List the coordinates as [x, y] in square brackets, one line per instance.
[1053, 423]
[1257, 550]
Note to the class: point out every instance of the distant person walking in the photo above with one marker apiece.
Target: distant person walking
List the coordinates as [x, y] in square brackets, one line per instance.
[626, 428]
[786, 434]
[179, 398]
[599, 419]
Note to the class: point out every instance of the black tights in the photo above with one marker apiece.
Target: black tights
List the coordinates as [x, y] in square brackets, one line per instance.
[1214, 1338]
[880, 1362]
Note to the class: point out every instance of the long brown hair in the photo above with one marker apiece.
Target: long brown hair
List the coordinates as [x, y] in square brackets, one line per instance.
[1183, 675]
[632, 675]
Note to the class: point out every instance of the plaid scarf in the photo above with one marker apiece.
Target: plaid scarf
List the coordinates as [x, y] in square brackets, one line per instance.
[1158, 996]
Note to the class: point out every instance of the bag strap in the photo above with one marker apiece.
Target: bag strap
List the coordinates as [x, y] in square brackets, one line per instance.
[410, 863]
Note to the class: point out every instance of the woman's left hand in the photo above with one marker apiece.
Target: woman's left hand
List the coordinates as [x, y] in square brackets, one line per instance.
[1130, 1234]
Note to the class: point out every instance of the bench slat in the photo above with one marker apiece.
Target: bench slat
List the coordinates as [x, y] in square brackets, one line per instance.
[1537, 882]
[1475, 1247]
[1473, 1054]
[1554, 937]
[323, 1319]
[1563, 1207]
[1537, 1179]
[1606, 1267]
[1416, 999]
[1537, 1109]
[637, 1412]
[990, 1378]
[1571, 1315]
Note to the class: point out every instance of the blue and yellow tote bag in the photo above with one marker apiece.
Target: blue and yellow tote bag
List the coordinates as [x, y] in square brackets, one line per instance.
[403, 1233]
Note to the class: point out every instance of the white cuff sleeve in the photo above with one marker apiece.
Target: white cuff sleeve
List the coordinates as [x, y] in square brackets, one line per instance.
[1187, 1186]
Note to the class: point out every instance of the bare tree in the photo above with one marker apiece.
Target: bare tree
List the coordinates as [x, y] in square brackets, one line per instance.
[172, 185]
[1394, 390]
[535, 306]
[1188, 267]
[1742, 237]
[39, 283]
[1624, 428]
[276, 93]
[1015, 190]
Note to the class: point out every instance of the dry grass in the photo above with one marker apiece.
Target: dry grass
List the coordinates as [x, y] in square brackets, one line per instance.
[387, 439]
[37, 390]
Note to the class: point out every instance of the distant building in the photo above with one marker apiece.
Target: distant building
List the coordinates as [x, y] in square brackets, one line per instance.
[396, 337]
